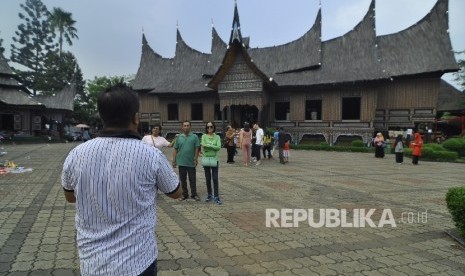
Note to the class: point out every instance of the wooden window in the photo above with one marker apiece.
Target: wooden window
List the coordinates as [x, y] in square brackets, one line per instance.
[313, 110]
[351, 108]
[282, 111]
[217, 115]
[196, 112]
[173, 112]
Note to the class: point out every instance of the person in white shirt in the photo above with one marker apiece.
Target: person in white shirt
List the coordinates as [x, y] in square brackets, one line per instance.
[114, 179]
[258, 142]
[156, 139]
[408, 136]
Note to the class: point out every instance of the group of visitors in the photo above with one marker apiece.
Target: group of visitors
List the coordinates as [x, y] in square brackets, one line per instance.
[253, 141]
[416, 145]
[114, 179]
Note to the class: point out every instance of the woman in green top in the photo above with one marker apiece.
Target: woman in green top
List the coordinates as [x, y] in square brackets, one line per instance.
[211, 144]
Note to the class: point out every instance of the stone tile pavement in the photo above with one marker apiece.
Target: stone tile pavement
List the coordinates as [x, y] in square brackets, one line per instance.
[37, 235]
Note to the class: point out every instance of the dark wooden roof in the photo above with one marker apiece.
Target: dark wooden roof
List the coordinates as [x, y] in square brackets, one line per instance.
[11, 91]
[424, 47]
[14, 93]
[359, 55]
[450, 98]
[4, 67]
[63, 100]
[303, 53]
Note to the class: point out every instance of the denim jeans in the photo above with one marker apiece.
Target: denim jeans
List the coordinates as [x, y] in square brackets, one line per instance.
[183, 173]
[209, 173]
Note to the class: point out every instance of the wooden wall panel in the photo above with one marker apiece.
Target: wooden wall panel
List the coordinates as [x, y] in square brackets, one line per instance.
[184, 107]
[368, 104]
[331, 106]
[409, 94]
[148, 103]
[297, 107]
[209, 108]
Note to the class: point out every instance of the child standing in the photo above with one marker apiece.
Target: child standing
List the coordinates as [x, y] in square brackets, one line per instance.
[286, 150]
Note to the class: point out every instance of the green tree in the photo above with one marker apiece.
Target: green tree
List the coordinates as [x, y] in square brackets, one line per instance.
[85, 105]
[2, 50]
[35, 42]
[460, 75]
[63, 23]
[58, 72]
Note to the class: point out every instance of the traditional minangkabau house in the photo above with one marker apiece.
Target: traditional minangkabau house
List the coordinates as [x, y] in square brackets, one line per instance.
[20, 112]
[352, 85]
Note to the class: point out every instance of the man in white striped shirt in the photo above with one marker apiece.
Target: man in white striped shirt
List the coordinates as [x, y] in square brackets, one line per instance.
[113, 179]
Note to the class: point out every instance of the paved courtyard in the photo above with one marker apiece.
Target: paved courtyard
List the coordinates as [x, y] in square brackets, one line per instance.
[37, 234]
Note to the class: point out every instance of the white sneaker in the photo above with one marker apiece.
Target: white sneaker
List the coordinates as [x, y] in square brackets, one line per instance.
[258, 163]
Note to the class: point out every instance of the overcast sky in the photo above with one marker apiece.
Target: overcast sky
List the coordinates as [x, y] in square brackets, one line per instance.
[110, 32]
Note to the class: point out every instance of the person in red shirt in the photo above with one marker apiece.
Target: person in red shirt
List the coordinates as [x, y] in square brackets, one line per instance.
[417, 146]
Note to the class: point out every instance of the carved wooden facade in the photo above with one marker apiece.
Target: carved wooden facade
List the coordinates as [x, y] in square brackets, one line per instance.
[307, 86]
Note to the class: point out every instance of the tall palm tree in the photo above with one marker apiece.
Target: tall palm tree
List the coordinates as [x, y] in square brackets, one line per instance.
[63, 22]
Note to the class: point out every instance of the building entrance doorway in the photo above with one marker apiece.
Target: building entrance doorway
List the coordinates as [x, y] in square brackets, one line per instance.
[243, 113]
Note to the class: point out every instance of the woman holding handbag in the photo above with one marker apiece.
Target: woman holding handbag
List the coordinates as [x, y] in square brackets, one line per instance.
[211, 144]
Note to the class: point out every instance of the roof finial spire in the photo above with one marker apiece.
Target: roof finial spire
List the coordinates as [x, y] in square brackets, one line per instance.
[212, 23]
[320, 4]
[236, 26]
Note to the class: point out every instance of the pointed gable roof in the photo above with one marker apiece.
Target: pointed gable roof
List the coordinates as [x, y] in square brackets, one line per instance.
[63, 100]
[424, 47]
[11, 91]
[360, 55]
[357, 56]
[301, 54]
[236, 27]
[236, 47]
[218, 50]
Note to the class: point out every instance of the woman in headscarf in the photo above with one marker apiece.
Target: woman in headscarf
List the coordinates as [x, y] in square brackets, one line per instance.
[379, 145]
[399, 149]
[416, 145]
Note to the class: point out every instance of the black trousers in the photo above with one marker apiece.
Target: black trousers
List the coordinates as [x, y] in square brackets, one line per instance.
[231, 151]
[399, 157]
[183, 173]
[267, 148]
[256, 150]
[415, 159]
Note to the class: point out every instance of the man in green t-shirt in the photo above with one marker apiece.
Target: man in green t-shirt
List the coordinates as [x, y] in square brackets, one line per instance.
[186, 153]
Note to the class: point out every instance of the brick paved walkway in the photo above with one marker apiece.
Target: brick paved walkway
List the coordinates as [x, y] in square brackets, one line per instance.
[37, 226]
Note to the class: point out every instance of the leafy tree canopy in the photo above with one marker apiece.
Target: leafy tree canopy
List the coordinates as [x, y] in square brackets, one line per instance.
[460, 75]
[33, 42]
[85, 107]
[63, 23]
[2, 50]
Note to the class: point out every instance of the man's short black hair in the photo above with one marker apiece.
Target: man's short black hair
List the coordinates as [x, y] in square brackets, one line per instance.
[117, 105]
